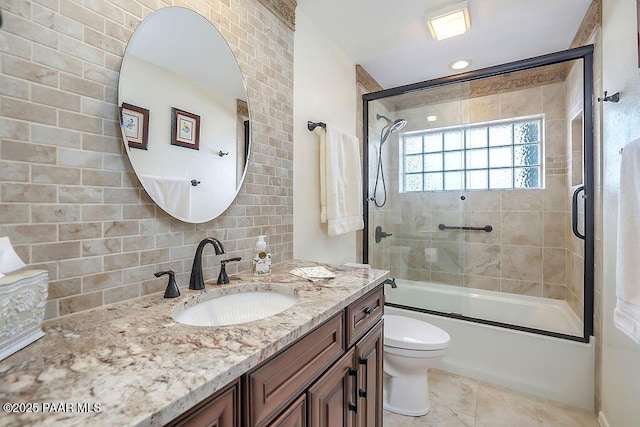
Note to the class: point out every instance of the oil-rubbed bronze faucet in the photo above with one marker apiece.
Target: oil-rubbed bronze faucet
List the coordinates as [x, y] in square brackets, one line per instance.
[172, 290]
[197, 280]
[223, 277]
[391, 282]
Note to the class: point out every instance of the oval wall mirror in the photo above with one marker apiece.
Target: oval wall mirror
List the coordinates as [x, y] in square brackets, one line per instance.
[184, 114]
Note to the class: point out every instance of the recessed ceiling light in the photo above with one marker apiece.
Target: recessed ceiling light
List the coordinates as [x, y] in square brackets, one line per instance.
[460, 64]
[432, 118]
[449, 21]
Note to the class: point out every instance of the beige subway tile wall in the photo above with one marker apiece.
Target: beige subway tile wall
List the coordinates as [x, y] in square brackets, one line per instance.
[69, 199]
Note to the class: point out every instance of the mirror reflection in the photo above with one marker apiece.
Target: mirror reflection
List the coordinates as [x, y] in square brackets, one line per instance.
[184, 114]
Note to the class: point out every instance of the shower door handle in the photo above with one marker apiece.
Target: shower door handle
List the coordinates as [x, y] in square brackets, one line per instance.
[574, 213]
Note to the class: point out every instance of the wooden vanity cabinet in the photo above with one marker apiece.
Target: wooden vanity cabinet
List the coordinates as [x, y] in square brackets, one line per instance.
[350, 393]
[347, 392]
[331, 377]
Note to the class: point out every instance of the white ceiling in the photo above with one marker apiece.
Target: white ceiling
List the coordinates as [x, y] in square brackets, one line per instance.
[390, 39]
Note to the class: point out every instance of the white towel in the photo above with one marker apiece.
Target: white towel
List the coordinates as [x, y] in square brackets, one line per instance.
[340, 181]
[9, 259]
[626, 315]
[173, 195]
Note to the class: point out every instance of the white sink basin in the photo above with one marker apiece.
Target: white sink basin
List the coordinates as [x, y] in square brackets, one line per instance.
[234, 309]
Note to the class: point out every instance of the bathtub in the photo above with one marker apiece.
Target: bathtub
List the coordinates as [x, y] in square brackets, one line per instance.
[546, 366]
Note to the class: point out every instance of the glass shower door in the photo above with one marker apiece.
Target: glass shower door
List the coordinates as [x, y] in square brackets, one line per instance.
[410, 214]
[474, 194]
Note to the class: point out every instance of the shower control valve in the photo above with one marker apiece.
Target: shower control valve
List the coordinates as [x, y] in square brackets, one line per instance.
[379, 234]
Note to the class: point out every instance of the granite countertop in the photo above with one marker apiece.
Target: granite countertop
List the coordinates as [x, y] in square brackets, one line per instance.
[131, 364]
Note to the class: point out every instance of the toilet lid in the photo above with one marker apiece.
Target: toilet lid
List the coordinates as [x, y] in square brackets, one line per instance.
[413, 334]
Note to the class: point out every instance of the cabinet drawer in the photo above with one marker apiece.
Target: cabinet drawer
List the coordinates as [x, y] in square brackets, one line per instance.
[277, 382]
[363, 314]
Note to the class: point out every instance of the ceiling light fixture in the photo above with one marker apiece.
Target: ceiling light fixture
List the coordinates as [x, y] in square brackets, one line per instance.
[460, 64]
[449, 21]
[432, 118]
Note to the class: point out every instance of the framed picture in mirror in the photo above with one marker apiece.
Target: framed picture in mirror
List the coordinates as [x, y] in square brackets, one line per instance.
[135, 124]
[185, 129]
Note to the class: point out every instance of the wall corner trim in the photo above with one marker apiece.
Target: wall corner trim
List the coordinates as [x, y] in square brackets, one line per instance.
[285, 10]
[364, 79]
[592, 20]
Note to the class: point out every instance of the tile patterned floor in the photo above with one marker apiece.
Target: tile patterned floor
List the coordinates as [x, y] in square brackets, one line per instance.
[458, 401]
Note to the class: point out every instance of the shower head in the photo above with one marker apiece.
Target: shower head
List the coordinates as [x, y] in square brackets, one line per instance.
[398, 124]
[387, 130]
[391, 127]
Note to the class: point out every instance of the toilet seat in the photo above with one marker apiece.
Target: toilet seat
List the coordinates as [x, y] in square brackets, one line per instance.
[412, 334]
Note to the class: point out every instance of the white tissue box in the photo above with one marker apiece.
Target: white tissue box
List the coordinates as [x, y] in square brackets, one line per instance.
[23, 296]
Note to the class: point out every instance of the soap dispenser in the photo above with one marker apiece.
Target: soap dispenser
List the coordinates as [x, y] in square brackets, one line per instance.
[261, 258]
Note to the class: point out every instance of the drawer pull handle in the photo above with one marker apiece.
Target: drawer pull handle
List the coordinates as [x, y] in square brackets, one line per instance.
[353, 372]
[362, 393]
[353, 407]
[363, 360]
[368, 311]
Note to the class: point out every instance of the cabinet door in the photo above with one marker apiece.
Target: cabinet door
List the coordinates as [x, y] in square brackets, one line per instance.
[294, 416]
[331, 399]
[222, 409]
[369, 358]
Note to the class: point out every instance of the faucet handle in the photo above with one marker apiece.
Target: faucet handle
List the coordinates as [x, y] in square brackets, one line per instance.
[172, 290]
[223, 278]
[225, 261]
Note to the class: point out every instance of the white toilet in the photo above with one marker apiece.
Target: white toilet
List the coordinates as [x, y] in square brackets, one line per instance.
[410, 348]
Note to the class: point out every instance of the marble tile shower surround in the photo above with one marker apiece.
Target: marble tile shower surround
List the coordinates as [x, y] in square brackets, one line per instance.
[69, 199]
[527, 252]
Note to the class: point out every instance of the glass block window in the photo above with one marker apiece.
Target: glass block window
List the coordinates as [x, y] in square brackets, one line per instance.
[489, 156]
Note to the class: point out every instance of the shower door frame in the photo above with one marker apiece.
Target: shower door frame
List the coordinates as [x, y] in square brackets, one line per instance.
[584, 53]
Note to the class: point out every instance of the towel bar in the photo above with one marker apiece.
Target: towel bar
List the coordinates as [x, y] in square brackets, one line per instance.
[312, 125]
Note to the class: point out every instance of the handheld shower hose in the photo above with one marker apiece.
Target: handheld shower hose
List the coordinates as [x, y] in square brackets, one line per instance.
[387, 130]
